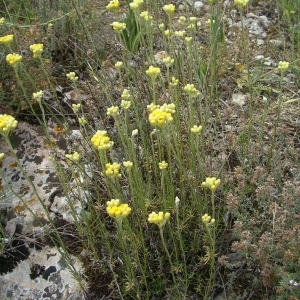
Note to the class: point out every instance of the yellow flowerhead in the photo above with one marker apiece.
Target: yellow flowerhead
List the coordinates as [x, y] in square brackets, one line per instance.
[135, 4]
[101, 141]
[241, 3]
[146, 16]
[112, 170]
[163, 165]
[73, 157]
[13, 59]
[169, 9]
[116, 210]
[37, 50]
[179, 33]
[153, 72]
[283, 66]
[174, 81]
[119, 27]
[7, 39]
[113, 5]
[128, 165]
[113, 111]
[211, 182]
[196, 129]
[38, 96]
[168, 61]
[182, 20]
[188, 39]
[7, 123]
[207, 220]
[2, 155]
[72, 76]
[82, 121]
[191, 90]
[125, 104]
[118, 65]
[2, 21]
[159, 219]
[76, 107]
[159, 118]
[126, 95]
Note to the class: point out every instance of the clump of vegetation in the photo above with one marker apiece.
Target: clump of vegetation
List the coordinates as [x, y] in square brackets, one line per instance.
[188, 146]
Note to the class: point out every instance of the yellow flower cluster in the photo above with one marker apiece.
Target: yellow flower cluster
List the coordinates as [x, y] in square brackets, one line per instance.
[179, 33]
[112, 170]
[13, 59]
[153, 72]
[160, 115]
[283, 66]
[2, 21]
[76, 107]
[191, 90]
[241, 3]
[128, 165]
[126, 95]
[118, 65]
[159, 219]
[2, 155]
[82, 121]
[7, 39]
[135, 4]
[207, 219]
[168, 61]
[37, 50]
[112, 5]
[7, 123]
[73, 157]
[196, 129]
[117, 26]
[116, 210]
[113, 111]
[163, 165]
[101, 141]
[211, 183]
[188, 39]
[38, 96]
[146, 16]
[169, 9]
[72, 76]
[182, 20]
[174, 81]
[125, 104]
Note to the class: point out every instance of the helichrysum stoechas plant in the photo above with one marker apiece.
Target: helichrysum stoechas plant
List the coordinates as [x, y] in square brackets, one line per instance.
[73, 157]
[126, 95]
[118, 27]
[72, 76]
[82, 121]
[76, 107]
[7, 39]
[211, 182]
[241, 3]
[196, 129]
[2, 21]
[7, 123]
[118, 65]
[101, 141]
[113, 111]
[206, 219]
[161, 115]
[128, 165]
[112, 170]
[125, 104]
[113, 5]
[38, 96]
[169, 9]
[146, 16]
[153, 72]
[283, 66]
[37, 50]
[163, 165]
[117, 211]
[168, 61]
[191, 90]
[159, 219]
[174, 81]
[136, 4]
[13, 59]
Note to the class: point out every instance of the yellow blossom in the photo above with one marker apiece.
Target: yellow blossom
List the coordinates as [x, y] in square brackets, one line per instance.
[169, 9]
[113, 111]
[135, 4]
[37, 50]
[179, 33]
[128, 165]
[151, 107]
[73, 157]
[82, 121]
[159, 219]
[168, 32]
[163, 165]
[116, 210]
[174, 81]
[113, 5]
[158, 117]
[117, 26]
[146, 16]
[182, 19]
[207, 220]
[101, 141]
[168, 61]
[76, 107]
[13, 59]
[72, 76]
[191, 90]
[196, 129]
[7, 123]
[241, 3]
[125, 104]
[161, 26]
[153, 72]
[126, 95]
[118, 65]
[38, 96]
[2, 155]
[134, 132]
[7, 39]
[283, 66]
[112, 170]
[193, 19]
[211, 182]
[2, 21]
